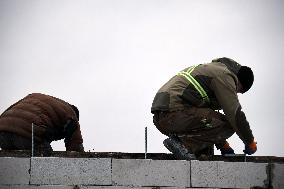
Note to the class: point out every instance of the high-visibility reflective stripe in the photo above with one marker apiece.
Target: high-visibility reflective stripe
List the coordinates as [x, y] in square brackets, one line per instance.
[196, 85]
[190, 69]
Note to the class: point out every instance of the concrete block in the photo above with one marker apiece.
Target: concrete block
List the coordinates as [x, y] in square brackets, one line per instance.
[71, 171]
[228, 174]
[14, 170]
[86, 187]
[277, 176]
[129, 187]
[140, 172]
[82, 187]
[137, 187]
[35, 187]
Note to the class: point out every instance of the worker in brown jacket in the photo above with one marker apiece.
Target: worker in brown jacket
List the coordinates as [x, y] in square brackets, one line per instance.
[52, 118]
[185, 108]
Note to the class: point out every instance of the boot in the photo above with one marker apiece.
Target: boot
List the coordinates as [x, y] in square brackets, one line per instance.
[174, 145]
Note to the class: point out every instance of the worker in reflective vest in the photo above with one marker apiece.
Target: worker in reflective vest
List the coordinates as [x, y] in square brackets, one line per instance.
[185, 109]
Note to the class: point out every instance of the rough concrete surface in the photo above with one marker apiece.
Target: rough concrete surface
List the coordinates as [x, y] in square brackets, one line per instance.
[137, 187]
[137, 172]
[14, 170]
[277, 175]
[153, 156]
[228, 175]
[112, 173]
[69, 171]
[36, 187]
[86, 187]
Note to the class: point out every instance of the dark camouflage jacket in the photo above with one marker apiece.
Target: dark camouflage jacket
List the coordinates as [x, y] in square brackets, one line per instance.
[220, 85]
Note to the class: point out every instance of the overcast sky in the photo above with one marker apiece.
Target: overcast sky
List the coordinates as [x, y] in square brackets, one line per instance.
[110, 57]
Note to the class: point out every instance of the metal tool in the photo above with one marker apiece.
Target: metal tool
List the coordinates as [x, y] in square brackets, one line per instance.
[32, 139]
[145, 142]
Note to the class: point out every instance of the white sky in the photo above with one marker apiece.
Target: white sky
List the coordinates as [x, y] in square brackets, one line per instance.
[110, 57]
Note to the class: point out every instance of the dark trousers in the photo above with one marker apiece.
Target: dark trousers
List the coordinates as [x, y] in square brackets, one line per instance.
[11, 141]
[198, 128]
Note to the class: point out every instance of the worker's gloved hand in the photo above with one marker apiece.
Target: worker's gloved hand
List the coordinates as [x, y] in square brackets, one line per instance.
[226, 150]
[250, 148]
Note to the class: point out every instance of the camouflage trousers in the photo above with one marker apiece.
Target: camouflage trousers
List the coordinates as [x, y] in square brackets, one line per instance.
[198, 128]
[11, 141]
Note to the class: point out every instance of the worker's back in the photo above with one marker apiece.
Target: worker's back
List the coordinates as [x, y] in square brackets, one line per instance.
[178, 92]
[43, 111]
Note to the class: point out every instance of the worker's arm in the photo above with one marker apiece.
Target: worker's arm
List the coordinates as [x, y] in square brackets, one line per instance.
[73, 138]
[225, 91]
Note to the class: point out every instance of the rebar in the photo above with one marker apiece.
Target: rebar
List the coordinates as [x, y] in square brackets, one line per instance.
[32, 139]
[145, 142]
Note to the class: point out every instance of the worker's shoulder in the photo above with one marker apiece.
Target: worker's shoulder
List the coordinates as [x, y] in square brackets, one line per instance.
[45, 98]
[212, 69]
[220, 72]
[216, 66]
[35, 95]
[41, 95]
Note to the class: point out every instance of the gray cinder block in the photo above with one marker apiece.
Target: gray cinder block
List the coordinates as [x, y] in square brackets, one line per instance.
[136, 187]
[139, 172]
[35, 187]
[14, 170]
[86, 187]
[69, 171]
[131, 187]
[228, 174]
[277, 176]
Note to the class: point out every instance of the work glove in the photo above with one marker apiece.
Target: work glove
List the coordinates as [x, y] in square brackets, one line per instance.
[250, 148]
[226, 150]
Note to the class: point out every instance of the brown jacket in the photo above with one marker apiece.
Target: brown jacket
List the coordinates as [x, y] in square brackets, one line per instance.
[220, 85]
[46, 113]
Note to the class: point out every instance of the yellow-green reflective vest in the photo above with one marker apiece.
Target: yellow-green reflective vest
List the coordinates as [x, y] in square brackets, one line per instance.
[197, 86]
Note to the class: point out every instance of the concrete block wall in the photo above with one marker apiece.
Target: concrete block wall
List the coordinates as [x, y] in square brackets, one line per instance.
[139, 172]
[228, 174]
[277, 175]
[70, 171]
[108, 173]
[14, 170]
